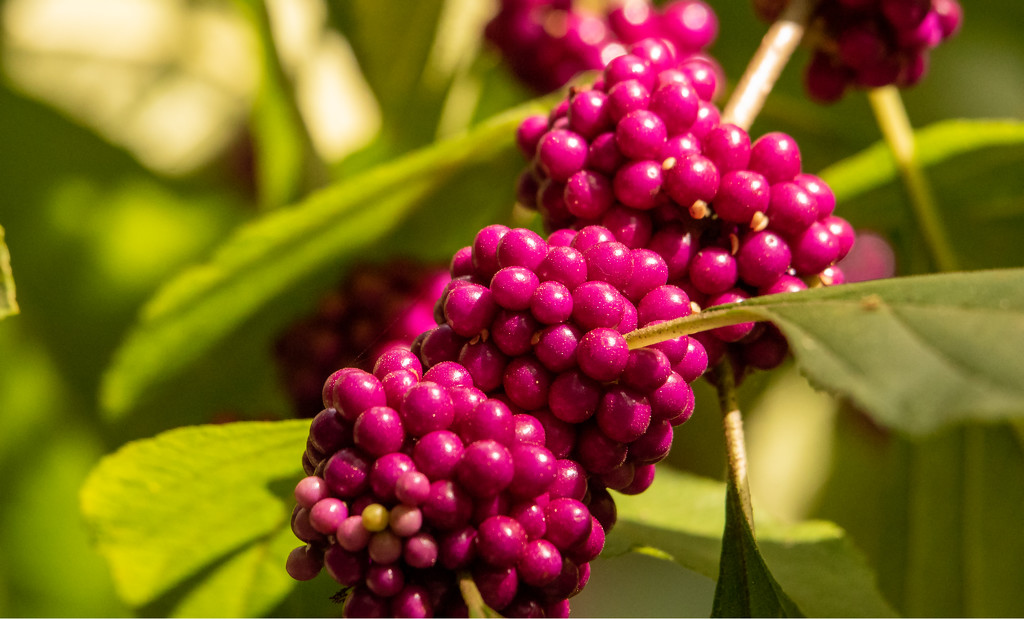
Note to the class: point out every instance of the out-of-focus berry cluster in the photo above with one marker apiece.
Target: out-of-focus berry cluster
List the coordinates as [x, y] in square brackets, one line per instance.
[644, 154]
[546, 42]
[871, 43]
[377, 306]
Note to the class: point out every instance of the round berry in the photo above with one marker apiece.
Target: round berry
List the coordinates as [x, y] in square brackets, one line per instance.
[561, 153]
[814, 249]
[491, 419]
[350, 391]
[713, 270]
[485, 363]
[347, 473]
[741, 194]
[556, 346]
[638, 184]
[663, 303]
[574, 396]
[623, 414]
[776, 156]
[610, 262]
[427, 407]
[526, 382]
[588, 194]
[379, 431]
[485, 249]
[640, 134]
[436, 454]
[565, 265]
[448, 506]
[486, 468]
[500, 541]
[596, 304]
[385, 473]
[521, 247]
[602, 354]
[763, 258]
[677, 104]
[690, 178]
[551, 303]
[568, 522]
[728, 146]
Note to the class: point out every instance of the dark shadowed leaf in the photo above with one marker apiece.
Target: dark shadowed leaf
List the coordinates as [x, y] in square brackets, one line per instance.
[746, 588]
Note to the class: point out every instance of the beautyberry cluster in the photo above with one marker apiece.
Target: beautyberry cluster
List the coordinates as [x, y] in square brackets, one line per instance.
[417, 476]
[872, 43]
[547, 42]
[644, 155]
[377, 306]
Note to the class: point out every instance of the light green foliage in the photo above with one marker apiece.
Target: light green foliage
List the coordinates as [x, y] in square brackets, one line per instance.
[681, 517]
[8, 304]
[213, 501]
[275, 253]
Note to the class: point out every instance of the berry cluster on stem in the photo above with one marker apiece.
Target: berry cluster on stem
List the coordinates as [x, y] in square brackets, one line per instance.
[871, 43]
[547, 42]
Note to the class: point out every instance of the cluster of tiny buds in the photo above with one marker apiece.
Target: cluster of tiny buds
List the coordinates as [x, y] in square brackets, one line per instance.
[414, 477]
[872, 43]
[643, 154]
[547, 42]
[375, 307]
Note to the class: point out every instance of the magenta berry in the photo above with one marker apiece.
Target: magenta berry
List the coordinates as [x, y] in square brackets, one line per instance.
[602, 354]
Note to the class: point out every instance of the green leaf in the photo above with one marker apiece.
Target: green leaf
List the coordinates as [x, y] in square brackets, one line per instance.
[972, 166]
[198, 517]
[286, 161]
[745, 586]
[283, 249]
[917, 353]
[939, 517]
[935, 144]
[393, 42]
[681, 518]
[8, 304]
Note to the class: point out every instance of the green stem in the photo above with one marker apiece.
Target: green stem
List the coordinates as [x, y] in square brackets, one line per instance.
[694, 323]
[724, 379]
[764, 68]
[471, 596]
[899, 135]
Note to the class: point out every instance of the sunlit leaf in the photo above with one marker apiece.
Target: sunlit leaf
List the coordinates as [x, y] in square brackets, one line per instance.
[209, 500]
[681, 518]
[917, 353]
[8, 304]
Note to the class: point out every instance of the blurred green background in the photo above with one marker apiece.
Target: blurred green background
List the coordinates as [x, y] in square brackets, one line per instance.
[131, 130]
